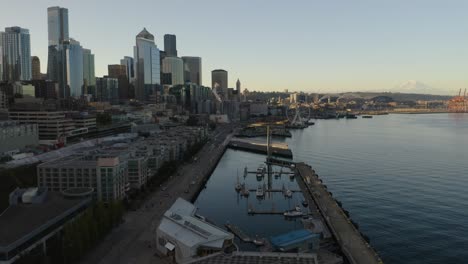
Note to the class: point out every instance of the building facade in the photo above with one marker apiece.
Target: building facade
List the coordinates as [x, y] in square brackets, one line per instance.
[89, 77]
[170, 46]
[36, 68]
[193, 70]
[219, 80]
[129, 64]
[172, 71]
[107, 90]
[15, 136]
[16, 51]
[147, 66]
[119, 72]
[57, 22]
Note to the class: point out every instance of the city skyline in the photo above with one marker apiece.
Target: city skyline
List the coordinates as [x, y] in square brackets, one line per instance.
[367, 46]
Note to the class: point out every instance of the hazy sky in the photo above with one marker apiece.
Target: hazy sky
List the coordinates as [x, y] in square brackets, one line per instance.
[329, 45]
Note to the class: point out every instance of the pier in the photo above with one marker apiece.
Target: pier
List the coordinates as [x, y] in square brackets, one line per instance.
[353, 245]
[261, 148]
[238, 232]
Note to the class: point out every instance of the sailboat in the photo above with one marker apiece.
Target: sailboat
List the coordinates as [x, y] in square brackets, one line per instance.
[238, 186]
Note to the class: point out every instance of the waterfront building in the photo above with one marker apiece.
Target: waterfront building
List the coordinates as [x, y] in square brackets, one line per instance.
[15, 136]
[119, 72]
[89, 77]
[219, 80]
[186, 236]
[147, 66]
[192, 70]
[16, 51]
[172, 71]
[106, 174]
[38, 215]
[36, 68]
[107, 90]
[170, 47]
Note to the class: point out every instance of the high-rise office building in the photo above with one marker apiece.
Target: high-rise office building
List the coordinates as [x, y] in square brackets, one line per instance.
[89, 77]
[57, 21]
[192, 70]
[107, 90]
[219, 79]
[170, 47]
[36, 68]
[16, 49]
[238, 90]
[129, 65]
[70, 63]
[147, 66]
[172, 71]
[119, 72]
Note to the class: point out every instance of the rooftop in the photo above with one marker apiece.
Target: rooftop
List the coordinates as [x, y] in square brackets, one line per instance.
[258, 258]
[292, 237]
[29, 218]
[181, 223]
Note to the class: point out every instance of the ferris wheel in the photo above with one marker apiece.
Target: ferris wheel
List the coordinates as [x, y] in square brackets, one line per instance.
[298, 114]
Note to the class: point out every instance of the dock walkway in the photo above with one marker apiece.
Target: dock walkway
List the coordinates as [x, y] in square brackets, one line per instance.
[353, 245]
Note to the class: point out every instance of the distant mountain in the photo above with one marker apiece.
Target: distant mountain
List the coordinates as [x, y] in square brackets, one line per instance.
[417, 87]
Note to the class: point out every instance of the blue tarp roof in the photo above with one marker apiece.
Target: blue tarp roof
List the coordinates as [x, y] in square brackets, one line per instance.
[292, 237]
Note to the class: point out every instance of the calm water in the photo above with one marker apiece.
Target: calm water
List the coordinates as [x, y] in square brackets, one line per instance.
[403, 178]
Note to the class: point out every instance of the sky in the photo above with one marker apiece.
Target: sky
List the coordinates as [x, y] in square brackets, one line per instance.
[299, 45]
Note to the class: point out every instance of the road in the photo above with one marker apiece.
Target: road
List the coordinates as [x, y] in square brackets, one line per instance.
[133, 241]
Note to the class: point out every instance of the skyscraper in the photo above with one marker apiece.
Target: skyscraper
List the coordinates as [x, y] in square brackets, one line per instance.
[129, 65]
[36, 68]
[172, 71]
[119, 72]
[193, 70]
[219, 79]
[107, 90]
[89, 77]
[16, 49]
[57, 21]
[170, 45]
[147, 66]
[238, 90]
[71, 69]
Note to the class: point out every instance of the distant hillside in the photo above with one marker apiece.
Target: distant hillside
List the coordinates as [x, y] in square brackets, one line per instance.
[398, 97]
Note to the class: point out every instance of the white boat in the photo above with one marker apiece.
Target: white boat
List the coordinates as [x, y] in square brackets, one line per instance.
[294, 213]
[260, 170]
[259, 241]
[260, 192]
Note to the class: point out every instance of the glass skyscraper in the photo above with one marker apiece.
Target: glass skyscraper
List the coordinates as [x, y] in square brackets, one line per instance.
[16, 49]
[129, 64]
[57, 22]
[173, 68]
[193, 70]
[89, 77]
[70, 63]
[147, 66]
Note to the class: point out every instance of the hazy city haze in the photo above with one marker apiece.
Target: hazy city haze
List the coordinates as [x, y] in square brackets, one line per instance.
[274, 45]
